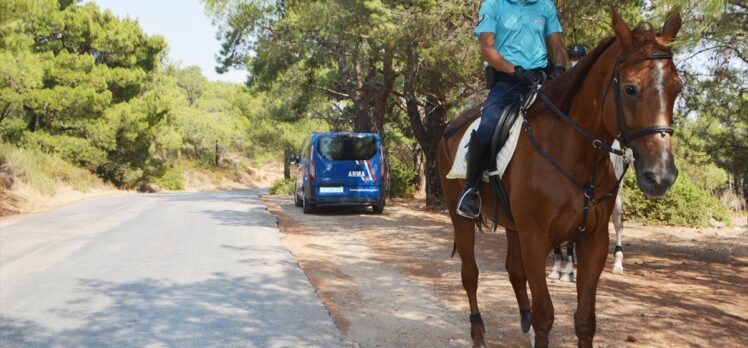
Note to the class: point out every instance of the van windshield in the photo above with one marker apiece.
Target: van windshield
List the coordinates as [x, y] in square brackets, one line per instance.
[347, 148]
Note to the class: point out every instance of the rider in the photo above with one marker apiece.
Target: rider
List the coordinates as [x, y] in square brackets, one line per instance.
[513, 36]
[576, 52]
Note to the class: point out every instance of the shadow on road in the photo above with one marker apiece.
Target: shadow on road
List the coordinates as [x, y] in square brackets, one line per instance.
[220, 311]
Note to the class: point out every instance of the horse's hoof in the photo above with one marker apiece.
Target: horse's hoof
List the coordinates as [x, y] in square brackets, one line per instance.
[617, 269]
[479, 340]
[567, 277]
[531, 336]
[554, 275]
[525, 320]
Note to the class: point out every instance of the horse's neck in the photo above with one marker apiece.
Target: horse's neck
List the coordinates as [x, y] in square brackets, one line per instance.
[589, 106]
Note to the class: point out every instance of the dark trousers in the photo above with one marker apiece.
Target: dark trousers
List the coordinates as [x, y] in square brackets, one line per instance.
[503, 93]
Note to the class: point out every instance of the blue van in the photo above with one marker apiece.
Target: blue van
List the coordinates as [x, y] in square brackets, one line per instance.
[341, 169]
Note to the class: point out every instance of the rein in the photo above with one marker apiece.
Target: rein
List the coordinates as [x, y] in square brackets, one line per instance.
[621, 126]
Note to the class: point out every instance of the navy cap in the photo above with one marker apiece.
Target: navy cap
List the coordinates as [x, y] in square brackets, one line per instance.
[577, 51]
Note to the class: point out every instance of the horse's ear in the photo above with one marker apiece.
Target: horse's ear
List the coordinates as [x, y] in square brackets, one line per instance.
[622, 30]
[672, 24]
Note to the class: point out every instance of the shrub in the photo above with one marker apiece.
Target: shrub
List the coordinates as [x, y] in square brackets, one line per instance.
[685, 204]
[403, 178]
[283, 186]
[171, 180]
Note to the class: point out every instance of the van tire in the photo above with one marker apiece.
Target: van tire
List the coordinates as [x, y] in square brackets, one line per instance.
[378, 208]
[308, 207]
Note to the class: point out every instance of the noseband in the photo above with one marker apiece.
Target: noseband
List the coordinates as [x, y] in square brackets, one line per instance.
[624, 134]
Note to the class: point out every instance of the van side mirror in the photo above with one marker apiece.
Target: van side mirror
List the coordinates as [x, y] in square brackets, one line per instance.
[294, 158]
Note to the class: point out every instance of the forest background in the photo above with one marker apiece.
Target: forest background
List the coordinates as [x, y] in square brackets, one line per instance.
[87, 97]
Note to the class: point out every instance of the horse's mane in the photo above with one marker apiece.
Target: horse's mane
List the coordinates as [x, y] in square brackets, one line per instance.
[563, 89]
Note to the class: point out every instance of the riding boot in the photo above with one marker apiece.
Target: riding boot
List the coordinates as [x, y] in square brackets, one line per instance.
[476, 162]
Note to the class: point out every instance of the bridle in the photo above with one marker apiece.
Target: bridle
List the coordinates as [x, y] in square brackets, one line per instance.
[624, 135]
[621, 125]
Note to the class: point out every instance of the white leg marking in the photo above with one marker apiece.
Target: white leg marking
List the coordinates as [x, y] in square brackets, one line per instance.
[618, 263]
[556, 268]
[618, 225]
[568, 273]
[531, 335]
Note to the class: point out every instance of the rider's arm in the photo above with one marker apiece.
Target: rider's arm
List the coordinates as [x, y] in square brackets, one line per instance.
[556, 49]
[492, 56]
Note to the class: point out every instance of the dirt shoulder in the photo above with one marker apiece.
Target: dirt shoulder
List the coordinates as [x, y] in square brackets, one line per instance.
[388, 281]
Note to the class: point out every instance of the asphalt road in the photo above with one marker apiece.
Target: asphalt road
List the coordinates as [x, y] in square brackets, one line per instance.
[180, 270]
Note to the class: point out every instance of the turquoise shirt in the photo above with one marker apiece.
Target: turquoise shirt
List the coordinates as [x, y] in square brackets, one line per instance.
[521, 28]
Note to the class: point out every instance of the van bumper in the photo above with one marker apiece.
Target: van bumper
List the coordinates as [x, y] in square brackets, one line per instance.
[344, 201]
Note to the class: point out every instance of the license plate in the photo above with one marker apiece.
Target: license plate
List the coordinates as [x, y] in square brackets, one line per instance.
[338, 189]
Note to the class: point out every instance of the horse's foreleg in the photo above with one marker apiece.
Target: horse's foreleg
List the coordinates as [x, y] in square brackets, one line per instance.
[592, 251]
[618, 226]
[465, 242]
[534, 251]
[517, 277]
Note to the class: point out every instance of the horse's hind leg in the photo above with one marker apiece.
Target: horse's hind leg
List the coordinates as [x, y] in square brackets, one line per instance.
[465, 243]
[567, 275]
[518, 279]
[618, 226]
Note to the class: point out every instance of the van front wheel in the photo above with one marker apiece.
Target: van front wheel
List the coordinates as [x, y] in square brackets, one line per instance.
[378, 208]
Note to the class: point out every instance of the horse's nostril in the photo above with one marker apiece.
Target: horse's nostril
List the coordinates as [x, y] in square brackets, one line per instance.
[649, 178]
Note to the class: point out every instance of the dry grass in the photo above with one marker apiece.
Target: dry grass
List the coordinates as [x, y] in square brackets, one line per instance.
[43, 181]
[199, 179]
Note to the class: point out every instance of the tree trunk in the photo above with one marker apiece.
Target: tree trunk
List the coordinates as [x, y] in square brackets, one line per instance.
[380, 106]
[426, 133]
[287, 163]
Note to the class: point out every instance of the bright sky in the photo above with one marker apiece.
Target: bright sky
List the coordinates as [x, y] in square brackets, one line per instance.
[191, 36]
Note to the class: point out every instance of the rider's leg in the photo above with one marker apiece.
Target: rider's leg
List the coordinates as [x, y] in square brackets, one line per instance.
[476, 161]
[502, 94]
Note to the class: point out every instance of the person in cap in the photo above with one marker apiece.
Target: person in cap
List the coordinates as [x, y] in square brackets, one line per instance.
[576, 52]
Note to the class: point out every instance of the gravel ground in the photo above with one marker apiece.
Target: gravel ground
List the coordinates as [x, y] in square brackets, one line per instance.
[388, 281]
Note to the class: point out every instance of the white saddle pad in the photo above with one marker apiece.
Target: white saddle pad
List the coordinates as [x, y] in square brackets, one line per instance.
[459, 167]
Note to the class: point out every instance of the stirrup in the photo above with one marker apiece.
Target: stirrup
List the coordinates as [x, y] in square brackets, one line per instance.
[477, 201]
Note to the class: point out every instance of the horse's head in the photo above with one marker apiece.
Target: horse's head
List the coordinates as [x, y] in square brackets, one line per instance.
[644, 86]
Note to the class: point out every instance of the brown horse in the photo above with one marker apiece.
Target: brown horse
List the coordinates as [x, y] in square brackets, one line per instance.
[625, 89]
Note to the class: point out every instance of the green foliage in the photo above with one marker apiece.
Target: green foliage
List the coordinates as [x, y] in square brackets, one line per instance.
[685, 204]
[171, 179]
[282, 187]
[403, 178]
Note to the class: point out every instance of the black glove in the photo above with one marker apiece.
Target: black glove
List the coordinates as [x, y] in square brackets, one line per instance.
[527, 77]
[556, 72]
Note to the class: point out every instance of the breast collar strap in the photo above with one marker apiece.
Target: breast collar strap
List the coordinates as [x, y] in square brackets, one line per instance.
[624, 134]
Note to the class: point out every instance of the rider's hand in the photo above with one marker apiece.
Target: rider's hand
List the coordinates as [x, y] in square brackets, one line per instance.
[527, 77]
[556, 72]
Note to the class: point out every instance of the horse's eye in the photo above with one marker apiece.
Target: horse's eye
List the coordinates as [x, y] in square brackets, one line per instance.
[630, 90]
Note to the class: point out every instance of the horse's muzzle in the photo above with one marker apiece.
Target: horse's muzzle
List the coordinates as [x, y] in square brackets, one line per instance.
[655, 183]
